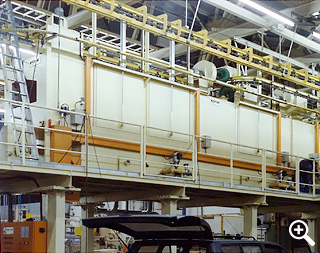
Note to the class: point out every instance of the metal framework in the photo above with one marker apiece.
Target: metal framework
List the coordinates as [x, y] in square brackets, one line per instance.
[160, 26]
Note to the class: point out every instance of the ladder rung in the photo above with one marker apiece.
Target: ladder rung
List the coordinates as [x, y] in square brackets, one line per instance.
[14, 80]
[17, 92]
[28, 145]
[13, 69]
[27, 132]
[18, 117]
[11, 56]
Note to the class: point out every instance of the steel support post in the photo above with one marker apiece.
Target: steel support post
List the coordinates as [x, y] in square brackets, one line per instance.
[250, 220]
[56, 221]
[169, 206]
[123, 42]
[87, 234]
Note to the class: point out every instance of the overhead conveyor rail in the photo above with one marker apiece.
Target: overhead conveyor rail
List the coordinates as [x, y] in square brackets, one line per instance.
[160, 26]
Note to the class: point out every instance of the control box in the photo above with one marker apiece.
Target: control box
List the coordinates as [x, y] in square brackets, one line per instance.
[206, 141]
[26, 236]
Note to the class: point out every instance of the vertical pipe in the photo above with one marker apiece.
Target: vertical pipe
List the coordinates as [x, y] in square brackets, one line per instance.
[87, 80]
[197, 118]
[23, 134]
[279, 139]
[147, 46]
[264, 169]
[316, 128]
[231, 165]
[297, 173]
[172, 60]
[94, 32]
[171, 109]
[123, 42]
[142, 150]
[143, 48]
[122, 98]
[314, 179]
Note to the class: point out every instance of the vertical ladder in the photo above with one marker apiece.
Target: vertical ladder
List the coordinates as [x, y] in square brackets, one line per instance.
[15, 83]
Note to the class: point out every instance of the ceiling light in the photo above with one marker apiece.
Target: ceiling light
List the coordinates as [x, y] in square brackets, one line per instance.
[315, 34]
[268, 12]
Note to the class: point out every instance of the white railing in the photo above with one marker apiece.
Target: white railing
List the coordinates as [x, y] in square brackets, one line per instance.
[111, 145]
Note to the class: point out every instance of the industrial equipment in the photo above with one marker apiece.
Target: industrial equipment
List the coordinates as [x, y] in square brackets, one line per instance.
[175, 169]
[76, 119]
[207, 69]
[285, 157]
[206, 142]
[26, 236]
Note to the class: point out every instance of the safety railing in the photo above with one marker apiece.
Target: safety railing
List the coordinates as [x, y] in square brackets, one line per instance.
[103, 146]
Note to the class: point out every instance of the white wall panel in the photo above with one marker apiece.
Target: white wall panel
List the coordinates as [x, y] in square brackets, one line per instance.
[218, 119]
[303, 138]
[107, 98]
[134, 100]
[160, 106]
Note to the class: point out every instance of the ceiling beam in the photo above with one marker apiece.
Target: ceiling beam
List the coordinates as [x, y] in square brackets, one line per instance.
[80, 18]
[263, 22]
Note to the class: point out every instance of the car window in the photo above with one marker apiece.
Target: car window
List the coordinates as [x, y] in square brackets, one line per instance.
[231, 248]
[269, 248]
[251, 249]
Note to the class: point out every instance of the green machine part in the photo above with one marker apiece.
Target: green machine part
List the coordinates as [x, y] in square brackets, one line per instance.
[223, 75]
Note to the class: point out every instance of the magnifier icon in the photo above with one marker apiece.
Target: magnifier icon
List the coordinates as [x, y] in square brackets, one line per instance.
[299, 230]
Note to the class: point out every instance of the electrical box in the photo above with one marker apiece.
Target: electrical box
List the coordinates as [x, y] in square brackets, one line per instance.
[206, 141]
[285, 157]
[314, 156]
[76, 119]
[26, 236]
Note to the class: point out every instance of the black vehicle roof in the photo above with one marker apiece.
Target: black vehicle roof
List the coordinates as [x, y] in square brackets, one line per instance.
[154, 226]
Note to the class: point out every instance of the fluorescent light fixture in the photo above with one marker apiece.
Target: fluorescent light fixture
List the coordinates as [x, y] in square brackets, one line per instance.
[268, 12]
[26, 51]
[316, 35]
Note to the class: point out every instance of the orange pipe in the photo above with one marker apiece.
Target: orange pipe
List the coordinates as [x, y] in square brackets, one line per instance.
[87, 80]
[128, 146]
[279, 140]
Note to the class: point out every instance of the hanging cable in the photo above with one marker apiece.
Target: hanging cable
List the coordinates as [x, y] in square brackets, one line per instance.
[294, 33]
[193, 21]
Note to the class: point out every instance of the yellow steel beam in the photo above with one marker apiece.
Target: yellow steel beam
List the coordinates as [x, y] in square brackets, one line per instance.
[159, 25]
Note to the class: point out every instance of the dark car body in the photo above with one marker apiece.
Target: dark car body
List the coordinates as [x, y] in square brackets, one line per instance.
[166, 233]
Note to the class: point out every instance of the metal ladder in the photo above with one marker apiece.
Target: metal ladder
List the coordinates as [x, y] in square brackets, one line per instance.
[16, 86]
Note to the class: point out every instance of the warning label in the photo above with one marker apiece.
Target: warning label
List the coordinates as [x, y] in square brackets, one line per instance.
[8, 230]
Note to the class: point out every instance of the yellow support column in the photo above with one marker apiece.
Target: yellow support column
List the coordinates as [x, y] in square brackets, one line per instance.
[279, 140]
